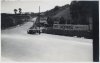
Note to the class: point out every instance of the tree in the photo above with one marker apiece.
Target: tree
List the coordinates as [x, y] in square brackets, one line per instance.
[74, 11]
[56, 8]
[62, 20]
[15, 11]
[20, 10]
[50, 21]
[81, 11]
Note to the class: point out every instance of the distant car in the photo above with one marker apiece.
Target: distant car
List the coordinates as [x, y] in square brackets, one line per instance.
[33, 31]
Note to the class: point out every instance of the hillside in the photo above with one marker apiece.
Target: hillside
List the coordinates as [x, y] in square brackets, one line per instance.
[64, 13]
[58, 12]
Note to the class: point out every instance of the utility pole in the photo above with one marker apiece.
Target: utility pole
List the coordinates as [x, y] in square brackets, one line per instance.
[39, 19]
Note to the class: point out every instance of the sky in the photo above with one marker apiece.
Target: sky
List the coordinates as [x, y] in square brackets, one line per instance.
[7, 6]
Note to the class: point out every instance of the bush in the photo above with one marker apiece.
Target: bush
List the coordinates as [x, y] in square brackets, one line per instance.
[62, 20]
[50, 21]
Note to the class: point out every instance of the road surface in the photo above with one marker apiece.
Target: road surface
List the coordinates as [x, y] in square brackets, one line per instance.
[17, 45]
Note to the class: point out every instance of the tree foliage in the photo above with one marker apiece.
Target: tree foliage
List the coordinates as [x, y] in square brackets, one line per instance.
[56, 8]
[15, 11]
[80, 11]
[20, 10]
[62, 20]
[50, 21]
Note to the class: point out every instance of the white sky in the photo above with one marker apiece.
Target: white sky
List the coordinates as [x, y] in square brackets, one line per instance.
[7, 6]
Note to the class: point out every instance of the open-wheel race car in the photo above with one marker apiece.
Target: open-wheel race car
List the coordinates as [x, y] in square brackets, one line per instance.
[33, 30]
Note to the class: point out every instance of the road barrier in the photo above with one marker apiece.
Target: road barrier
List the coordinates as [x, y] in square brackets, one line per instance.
[71, 27]
[69, 30]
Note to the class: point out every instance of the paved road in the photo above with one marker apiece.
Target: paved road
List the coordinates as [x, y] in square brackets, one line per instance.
[17, 45]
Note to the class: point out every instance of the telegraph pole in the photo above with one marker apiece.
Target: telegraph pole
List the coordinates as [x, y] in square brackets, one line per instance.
[39, 19]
